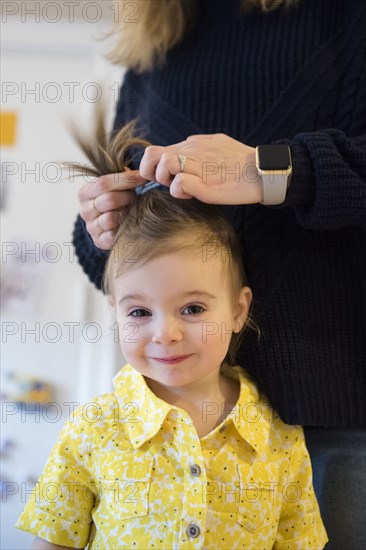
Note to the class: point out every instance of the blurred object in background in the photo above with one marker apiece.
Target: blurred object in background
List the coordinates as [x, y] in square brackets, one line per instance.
[8, 120]
[8, 127]
[25, 389]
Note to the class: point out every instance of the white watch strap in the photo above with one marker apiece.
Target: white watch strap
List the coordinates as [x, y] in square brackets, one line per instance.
[274, 187]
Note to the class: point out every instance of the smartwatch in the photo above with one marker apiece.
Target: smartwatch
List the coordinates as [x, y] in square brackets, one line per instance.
[275, 168]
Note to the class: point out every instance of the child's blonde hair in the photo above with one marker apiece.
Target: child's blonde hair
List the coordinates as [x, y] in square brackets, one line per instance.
[146, 29]
[157, 223]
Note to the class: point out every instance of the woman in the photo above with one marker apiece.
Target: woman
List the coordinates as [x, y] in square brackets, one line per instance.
[279, 72]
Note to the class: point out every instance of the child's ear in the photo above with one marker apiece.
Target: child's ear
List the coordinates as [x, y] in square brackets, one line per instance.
[241, 308]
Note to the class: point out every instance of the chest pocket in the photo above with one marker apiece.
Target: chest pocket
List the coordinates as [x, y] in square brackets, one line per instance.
[124, 484]
[259, 504]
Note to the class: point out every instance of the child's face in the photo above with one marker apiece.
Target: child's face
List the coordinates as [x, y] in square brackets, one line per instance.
[176, 317]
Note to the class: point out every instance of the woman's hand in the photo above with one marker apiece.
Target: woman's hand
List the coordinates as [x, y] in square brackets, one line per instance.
[218, 170]
[102, 203]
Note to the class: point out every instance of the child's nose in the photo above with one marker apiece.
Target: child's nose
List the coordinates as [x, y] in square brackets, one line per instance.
[166, 330]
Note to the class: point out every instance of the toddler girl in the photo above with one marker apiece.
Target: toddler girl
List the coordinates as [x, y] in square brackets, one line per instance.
[185, 453]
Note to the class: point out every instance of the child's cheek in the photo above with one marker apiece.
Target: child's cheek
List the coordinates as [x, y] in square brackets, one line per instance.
[215, 333]
[129, 334]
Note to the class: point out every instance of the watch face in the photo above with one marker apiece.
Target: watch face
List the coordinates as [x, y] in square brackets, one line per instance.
[274, 157]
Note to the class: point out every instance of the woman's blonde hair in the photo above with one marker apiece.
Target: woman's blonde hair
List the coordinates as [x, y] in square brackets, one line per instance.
[157, 223]
[146, 29]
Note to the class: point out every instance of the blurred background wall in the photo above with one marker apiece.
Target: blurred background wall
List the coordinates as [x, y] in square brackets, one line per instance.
[59, 346]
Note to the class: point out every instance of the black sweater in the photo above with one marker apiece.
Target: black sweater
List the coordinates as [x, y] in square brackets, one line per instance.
[295, 77]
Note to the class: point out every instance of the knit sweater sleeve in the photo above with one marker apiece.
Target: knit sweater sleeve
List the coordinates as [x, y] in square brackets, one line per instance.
[328, 187]
[91, 258]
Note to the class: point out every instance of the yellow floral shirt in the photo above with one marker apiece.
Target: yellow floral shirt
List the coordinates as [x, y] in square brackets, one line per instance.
[129, 471]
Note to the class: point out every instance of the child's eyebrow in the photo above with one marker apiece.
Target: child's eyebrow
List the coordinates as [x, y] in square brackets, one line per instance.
[130, 297]
[200, 293]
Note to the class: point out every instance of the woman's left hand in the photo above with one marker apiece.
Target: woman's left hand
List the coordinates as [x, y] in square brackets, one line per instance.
[218, 170]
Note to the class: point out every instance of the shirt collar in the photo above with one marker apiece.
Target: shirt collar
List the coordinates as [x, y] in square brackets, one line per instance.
[143, 413]
[252, 414]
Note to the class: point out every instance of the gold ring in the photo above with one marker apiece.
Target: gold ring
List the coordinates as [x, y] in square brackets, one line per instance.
[182, 161]
[96, 223]
[95, 208]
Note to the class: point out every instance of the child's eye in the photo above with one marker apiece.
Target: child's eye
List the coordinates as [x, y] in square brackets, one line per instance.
[194, 309]
[139, 313]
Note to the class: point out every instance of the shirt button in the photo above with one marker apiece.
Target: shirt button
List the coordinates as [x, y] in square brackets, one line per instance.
[193, 531]
[195, 470]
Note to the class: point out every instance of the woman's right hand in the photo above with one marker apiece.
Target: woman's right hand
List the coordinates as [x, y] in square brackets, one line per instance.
[102, 204]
